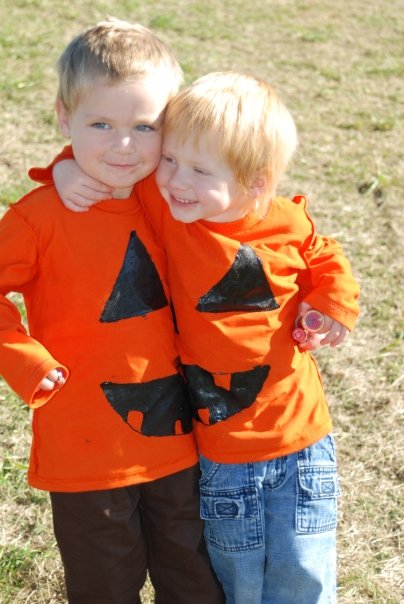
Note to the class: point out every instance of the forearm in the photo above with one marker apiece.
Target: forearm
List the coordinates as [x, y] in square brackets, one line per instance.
[328, 283]
[24, 362]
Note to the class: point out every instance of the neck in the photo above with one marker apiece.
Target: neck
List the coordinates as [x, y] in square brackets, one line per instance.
[122, 193]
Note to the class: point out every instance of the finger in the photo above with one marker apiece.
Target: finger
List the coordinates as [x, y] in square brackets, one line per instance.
[313, 342]
[308, 347]
[328, 324]
[82, 202]
[336, 335]
[59, 379]
[98, 190]
[56, 377]
[71, 205]
[87, 198]
[338, 340]
[85, 180]
[46, 384]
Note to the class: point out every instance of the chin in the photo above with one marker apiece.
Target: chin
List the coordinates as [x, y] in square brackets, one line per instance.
[181, 218]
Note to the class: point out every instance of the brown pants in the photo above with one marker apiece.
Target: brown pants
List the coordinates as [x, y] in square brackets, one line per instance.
[109, 539]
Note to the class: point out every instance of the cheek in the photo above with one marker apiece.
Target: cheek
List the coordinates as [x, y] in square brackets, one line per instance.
[153, 148]
[162, 175]
[88, 145]
[219, 194]
[231, 194]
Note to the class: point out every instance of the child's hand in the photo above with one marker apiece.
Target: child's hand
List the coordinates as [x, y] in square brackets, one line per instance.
[333, 333]
[52, 381]
[77, 190]
[312, 343]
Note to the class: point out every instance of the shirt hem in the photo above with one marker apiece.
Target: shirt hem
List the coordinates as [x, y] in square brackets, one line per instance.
[113, 482]
[254, 455]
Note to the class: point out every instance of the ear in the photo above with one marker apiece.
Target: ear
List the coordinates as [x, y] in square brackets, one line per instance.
[62, 118]
[259, 185]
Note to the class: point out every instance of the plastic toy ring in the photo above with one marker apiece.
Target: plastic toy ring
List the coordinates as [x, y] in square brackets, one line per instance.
[313, 321]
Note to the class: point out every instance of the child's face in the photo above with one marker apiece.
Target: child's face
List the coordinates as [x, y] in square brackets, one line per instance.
[116, 130]
[198, 184]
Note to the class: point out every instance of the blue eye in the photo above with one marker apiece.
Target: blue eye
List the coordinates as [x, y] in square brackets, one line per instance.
[144, 128]
[100, 125]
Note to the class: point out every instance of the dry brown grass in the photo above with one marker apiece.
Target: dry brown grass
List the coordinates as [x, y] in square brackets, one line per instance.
[339, 66]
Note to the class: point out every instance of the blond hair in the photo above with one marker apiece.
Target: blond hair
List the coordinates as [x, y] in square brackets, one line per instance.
[113, 50]
[245, 119]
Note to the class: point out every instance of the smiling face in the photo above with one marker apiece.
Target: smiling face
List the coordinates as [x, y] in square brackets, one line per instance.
[116, 130]
[198, 184]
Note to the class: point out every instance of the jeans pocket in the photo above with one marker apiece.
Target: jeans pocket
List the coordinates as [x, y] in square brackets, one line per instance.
[232, 518]
[318, 490]
[208, 470]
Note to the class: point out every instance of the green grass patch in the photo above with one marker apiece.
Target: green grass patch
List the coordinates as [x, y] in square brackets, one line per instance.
[15, 563]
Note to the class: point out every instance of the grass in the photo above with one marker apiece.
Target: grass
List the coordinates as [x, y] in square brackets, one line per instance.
[339, 67]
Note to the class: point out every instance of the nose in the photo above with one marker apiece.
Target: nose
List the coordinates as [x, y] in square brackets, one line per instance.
[123, 142]
[178, 179]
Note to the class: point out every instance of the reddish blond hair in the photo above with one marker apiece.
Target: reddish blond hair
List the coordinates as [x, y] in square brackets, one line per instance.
[245, 119]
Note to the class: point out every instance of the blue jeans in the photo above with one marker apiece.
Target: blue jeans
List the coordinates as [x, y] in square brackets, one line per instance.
[270, 526]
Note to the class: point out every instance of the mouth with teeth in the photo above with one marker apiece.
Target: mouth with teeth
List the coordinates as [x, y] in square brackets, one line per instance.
[179, 201]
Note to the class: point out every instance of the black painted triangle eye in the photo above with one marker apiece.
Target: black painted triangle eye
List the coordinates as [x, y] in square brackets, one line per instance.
[243, 288]
[138, 289]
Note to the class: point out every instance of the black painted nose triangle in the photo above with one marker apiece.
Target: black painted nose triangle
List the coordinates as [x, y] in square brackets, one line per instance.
[138, 289]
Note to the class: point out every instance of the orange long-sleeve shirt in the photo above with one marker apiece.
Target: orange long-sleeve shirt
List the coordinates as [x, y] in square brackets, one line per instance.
[98, 305]
[236, 289]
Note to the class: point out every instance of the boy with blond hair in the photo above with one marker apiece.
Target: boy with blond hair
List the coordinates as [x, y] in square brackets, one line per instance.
[112, 438]
[244, 265]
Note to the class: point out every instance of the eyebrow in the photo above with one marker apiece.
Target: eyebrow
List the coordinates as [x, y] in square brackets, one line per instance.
[138, 119]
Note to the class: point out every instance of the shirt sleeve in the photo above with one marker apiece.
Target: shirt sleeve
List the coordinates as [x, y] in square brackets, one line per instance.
[328, 283]
[24, 361]
[45, 175]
